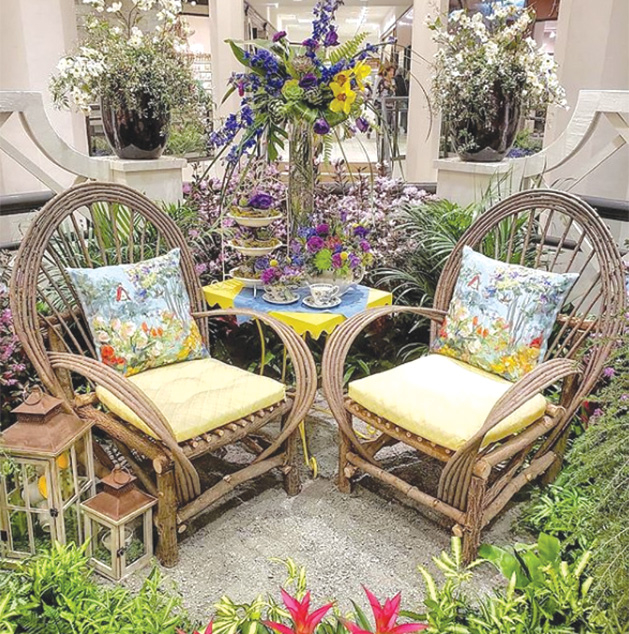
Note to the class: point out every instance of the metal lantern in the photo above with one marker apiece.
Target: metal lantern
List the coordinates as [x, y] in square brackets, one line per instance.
[118, 522]
[46, 471]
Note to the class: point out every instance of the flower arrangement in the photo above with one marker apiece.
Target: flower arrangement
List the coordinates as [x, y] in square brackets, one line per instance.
[280, 273]
[128, 67]
[318, 81]
[485, 62]
[334, 247]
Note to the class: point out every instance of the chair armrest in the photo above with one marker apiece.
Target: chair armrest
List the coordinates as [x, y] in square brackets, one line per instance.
[335, 355]
[457, 473]
[303, 365]
[136, 400]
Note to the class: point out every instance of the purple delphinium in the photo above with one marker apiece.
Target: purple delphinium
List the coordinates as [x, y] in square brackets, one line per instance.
[309, 80]
[331, 38]
[310, 43]
[280, 35]
[360, 231]
[321, 126]
[261, 200]
[314, 244]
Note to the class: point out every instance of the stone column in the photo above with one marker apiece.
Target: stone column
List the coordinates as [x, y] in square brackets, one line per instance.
[592, 52]
[227, 20]
[423, 133]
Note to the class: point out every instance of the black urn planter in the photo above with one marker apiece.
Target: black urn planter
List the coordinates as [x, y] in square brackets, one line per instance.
[492, 138]
[135, 134]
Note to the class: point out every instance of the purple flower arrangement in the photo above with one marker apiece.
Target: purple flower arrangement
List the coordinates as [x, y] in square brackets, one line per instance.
[287, 82]
[281, 273]
[333, 246]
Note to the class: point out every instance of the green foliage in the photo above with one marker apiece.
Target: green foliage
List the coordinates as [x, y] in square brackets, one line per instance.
[543, 594]
[589, 505]
[54, 593]
[349, 49]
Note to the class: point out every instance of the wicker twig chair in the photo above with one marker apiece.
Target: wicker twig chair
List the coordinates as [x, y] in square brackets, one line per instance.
[83, 227]
[476, 481]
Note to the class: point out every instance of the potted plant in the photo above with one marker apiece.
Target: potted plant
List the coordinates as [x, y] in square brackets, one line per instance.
[334, 252]
[280, 280]
[140, 75]
[487, 71]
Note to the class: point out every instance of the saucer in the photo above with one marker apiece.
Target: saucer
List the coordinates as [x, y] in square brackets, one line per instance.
[281, 302]
[308, 301]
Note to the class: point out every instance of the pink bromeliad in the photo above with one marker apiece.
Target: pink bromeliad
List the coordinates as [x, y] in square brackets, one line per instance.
[386, 617]
[303, 623]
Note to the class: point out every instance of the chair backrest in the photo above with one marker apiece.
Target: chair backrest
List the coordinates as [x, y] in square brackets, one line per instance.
[88, 226]
[559, 232]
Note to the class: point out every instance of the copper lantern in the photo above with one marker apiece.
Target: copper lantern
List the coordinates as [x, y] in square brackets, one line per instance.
[118, 522]
[46, 471]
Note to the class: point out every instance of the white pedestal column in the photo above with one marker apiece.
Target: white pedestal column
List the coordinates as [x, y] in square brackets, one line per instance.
[227, 21]
[161, 179]
[423, 129]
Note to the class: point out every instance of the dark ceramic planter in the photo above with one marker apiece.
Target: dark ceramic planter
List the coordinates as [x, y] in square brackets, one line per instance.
[135, 135]
[494, 138]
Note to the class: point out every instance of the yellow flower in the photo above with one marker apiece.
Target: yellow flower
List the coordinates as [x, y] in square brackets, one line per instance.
[361, 72]
[274, 263]
[344, 97]
[342, 78]
[344, 255]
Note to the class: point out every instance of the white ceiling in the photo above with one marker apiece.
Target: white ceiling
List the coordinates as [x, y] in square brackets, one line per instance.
[295, 16]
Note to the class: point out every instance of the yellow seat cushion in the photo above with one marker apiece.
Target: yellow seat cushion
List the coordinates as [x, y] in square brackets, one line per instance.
[442, 400]
[198, 396]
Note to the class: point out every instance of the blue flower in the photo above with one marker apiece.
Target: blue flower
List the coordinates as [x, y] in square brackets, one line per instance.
[280, 35]
[309, 80]
[332, 38]
[321, 126]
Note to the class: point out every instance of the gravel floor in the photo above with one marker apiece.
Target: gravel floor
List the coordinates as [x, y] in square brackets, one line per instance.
[368, 538]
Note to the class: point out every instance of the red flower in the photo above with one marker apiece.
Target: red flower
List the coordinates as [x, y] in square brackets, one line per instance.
[107, 352]
[537, 342]
[386, 617]
[303, 623]
[208, 630]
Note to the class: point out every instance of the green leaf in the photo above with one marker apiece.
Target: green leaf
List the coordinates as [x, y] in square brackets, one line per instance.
[505, 561]
[549, 548]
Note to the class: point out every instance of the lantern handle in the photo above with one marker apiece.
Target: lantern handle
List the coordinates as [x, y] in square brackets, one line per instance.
[35, 396]
[116, 473]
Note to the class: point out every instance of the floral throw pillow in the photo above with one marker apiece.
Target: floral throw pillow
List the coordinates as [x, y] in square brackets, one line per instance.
[501, 315]
[139, 314]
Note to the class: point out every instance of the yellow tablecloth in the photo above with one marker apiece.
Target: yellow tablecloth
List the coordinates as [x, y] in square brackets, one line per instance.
[223, 294]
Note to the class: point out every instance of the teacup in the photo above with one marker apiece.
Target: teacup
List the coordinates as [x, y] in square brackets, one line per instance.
[323, 294]
[279, 293]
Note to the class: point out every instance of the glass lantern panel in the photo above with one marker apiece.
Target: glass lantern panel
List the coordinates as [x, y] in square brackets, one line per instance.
[72, 522]
[42, 530]
[13, 483]
[135, 546]
[18, 522]
[101, 543]
[36, 485]
[66, 468]
[82, 470]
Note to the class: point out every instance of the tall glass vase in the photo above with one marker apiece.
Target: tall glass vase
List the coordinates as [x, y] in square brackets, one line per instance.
[301, 176]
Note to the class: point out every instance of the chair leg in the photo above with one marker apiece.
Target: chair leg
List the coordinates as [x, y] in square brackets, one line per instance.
[559, 448]
[292, 479]
[166, 520]
[344, 482]
[473, 519]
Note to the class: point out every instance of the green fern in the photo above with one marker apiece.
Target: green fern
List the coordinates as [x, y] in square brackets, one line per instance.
[349, 49]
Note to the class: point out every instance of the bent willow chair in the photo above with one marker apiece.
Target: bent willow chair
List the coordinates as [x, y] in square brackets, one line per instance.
[99, 224]
[481, 473]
